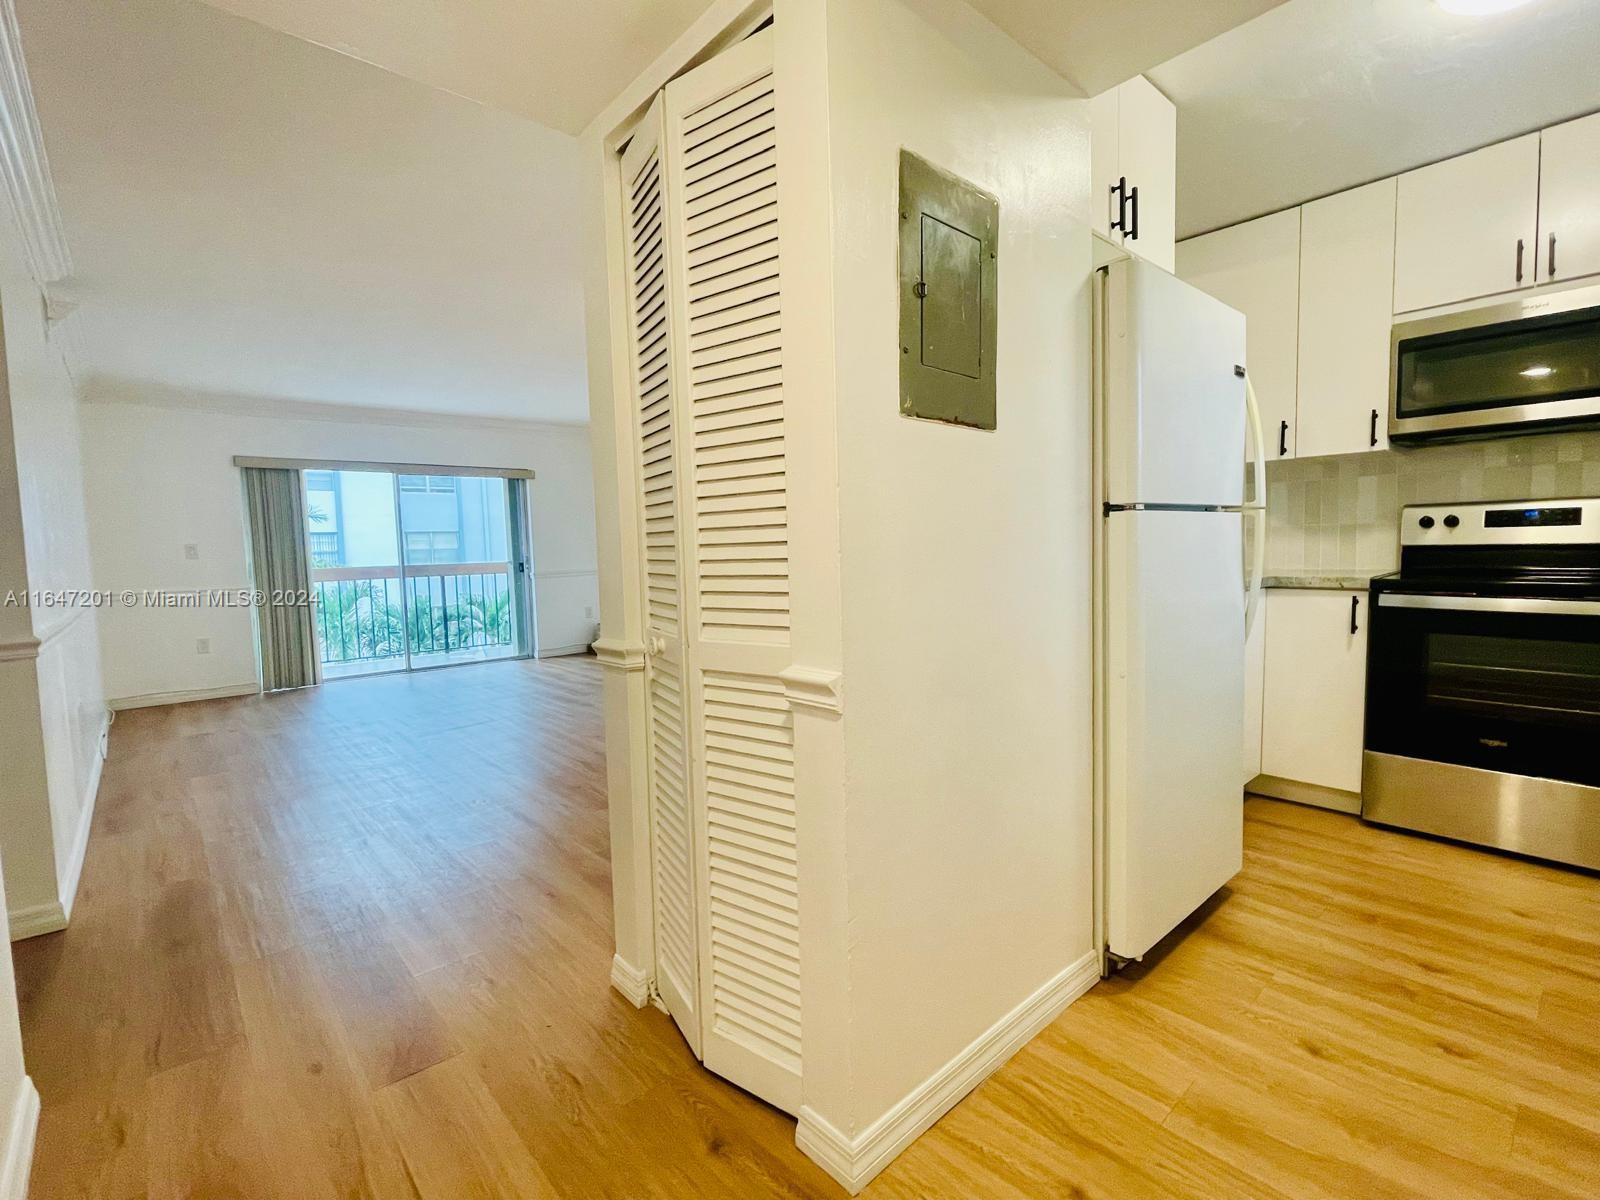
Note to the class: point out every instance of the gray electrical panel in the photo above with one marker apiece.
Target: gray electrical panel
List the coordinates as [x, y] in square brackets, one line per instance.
[949, 246]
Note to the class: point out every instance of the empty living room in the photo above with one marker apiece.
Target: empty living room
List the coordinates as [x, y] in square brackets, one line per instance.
[799, 598]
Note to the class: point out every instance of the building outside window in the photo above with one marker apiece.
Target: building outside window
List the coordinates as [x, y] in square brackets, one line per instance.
[351, 519]
[437, 485]
[324, 518]
[433, 547]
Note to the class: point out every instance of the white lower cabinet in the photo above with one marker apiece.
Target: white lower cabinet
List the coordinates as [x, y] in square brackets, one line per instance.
[1255, 662]
[1314, 692]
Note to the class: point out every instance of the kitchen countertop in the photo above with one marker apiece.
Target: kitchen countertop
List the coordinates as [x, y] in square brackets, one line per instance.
[1320, 581]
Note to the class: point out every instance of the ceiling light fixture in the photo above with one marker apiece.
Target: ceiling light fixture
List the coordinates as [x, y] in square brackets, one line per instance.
[1538, 372]
[1479, 8]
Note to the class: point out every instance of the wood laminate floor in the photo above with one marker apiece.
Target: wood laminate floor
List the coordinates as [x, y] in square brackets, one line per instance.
[355, 942]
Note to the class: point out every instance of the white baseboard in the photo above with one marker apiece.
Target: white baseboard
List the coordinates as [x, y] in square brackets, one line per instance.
[854, 1162]
[628, 979]
[67, 887]
[562, 651]
[18, 1162]
[36, 919]
[152, 699]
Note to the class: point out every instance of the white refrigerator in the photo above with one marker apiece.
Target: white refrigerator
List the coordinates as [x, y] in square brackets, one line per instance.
[1172, 414]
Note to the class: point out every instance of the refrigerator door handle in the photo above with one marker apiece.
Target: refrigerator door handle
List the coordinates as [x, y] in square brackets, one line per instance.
[1258, 547]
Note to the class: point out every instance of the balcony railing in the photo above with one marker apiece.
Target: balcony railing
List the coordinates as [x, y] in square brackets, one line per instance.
[365, 614]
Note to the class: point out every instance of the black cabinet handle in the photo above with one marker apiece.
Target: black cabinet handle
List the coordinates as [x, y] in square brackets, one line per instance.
[1119, 197]
[1355, 607]
[1374, 438]
[1133, 198]
[1552, 256]
[1283, 438]
[1519, 260]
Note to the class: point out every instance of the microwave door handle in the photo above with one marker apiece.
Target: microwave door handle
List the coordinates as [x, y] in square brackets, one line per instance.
[1535, 605]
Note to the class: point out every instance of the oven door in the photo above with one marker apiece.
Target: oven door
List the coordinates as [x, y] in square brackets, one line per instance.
[1498, 683]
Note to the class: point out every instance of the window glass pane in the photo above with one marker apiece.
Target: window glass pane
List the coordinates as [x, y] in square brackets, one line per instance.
[413, 483]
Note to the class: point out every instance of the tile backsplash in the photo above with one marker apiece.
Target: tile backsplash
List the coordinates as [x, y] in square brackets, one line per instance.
[1342, 514]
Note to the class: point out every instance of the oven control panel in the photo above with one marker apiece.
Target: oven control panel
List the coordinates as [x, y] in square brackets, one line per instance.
[1501, 523]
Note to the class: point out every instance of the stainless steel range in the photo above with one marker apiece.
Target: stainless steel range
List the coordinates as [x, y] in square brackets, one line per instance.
[1483, 679]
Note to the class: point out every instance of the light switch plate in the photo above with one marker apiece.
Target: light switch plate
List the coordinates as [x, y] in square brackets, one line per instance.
[949, 261]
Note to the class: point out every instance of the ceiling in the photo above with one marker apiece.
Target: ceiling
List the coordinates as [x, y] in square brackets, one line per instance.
[1316, 96]
[560, 61]
[254, 216]
[1096, 44]
[557, 61]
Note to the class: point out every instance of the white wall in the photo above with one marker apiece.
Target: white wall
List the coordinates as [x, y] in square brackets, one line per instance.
[55, 703]
[965, 556]
[19, 1101]
[160, 475]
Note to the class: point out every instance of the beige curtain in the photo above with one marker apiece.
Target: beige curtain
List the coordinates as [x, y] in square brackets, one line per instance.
[285, 632]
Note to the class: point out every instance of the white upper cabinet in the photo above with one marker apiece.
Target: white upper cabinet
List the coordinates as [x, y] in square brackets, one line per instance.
[1467, 226]
[1569, 201]
[1255, 268]
[1134, 162]
[1346, 287]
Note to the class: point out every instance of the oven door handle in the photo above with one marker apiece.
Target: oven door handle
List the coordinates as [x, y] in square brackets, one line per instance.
[1491, 604]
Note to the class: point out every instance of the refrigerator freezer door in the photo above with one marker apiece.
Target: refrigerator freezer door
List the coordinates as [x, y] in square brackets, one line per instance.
[1174, 696]
[1174, 406]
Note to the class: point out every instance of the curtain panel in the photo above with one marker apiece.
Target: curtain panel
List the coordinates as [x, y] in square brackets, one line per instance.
[285, 632]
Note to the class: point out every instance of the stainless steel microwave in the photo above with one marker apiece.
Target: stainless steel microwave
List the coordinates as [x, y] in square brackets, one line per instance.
[1526, 365]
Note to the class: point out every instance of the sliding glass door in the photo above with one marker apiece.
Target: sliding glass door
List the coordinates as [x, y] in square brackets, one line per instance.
[355, 572]
[460, 574]
[414, 571]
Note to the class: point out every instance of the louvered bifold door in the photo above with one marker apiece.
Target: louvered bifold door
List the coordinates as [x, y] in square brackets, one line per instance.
[721, 157]
[673, 857]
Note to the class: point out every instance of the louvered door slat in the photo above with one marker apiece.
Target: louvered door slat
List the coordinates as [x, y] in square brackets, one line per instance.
[753, 870]
[673, 843]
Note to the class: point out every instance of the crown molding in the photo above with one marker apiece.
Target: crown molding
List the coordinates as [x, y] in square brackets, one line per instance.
[141, 394]
[23, 163]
